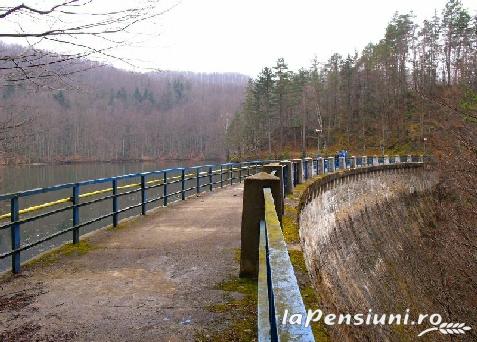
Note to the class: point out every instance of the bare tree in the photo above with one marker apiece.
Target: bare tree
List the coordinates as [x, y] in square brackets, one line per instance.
[83, 28]
[56, 39]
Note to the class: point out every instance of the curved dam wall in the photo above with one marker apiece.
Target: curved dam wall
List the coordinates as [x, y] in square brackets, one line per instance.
[363, 236]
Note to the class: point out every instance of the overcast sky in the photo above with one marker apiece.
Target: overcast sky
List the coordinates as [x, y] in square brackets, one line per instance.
[246, 35]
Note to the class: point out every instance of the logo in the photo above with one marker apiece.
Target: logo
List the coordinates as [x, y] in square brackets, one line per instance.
[375, 319]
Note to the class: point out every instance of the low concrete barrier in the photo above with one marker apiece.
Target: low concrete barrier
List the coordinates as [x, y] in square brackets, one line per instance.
[264, 253]
[278, 290]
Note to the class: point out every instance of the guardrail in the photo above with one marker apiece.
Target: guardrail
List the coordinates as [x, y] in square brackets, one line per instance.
[278, 289]
[185, 181]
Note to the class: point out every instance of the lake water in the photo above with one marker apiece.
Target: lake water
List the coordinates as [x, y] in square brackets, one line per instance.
[14, 179]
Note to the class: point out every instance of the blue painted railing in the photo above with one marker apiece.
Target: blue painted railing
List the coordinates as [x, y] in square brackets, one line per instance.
[176, 183]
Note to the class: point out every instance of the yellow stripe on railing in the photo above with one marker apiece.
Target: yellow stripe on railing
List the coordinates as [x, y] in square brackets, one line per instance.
[97, 192]
[37, 207]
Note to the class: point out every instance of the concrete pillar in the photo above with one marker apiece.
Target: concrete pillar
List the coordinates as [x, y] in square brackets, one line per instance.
[309, 167]
[331, 164]
[342, 163]
[299, 165]
[386, 159]
[409, 158]
[353, 162]
[320, 166]
[364, 161]
[277, 170]
[288, 171]
[375, 161]
[397, 159]
[253, 212]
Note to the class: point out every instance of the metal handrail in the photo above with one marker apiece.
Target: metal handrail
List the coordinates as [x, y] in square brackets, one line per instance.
[226, 173]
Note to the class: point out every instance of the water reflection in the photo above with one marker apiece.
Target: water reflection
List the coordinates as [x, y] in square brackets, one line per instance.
[15, 179]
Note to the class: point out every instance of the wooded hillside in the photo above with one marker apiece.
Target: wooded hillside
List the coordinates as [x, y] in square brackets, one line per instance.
[109, 114]
[376, 100]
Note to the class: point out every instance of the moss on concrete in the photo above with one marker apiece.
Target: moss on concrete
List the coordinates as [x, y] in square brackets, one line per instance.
[291, 234]
[298, 261]
[290, 217]
[242, 313]
[290, 230]
[68, 249]
[237, 255]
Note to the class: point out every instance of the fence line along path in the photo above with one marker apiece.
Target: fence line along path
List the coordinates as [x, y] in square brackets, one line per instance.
[151, 279]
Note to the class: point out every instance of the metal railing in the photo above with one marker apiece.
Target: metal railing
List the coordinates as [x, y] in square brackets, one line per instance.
[173, 184]
[278, 290]
[184, 182]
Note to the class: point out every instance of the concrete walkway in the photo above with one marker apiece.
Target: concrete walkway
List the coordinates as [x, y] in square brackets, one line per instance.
[150, 280]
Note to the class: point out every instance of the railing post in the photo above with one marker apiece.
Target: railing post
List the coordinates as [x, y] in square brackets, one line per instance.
[309, 167]
[240, 172]
[211, 185]
[183, 184]
[115, 202]
[221, 176]
[288, 175]
[75, 213]
[295, 173]
[353, 162]
[342, 163]
[253, 212]
[164, 195]
[248, 169]
[278, 170]
[143, 195]
[320, 168]
[375, 160]
[298, 174]
[256, 167]
[231, 174]
[197, 174]
[331, 164]
[15, 233]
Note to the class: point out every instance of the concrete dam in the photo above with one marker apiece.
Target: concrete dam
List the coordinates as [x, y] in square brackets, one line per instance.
[364, 236]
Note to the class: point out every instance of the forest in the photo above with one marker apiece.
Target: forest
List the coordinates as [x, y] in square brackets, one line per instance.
[108, 114]
[382, 99]
[385, 99]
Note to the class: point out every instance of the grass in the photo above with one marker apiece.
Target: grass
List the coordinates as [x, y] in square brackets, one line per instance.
[308, 293]
[69, 249]
[290, 230]
[242, 325]
[292, 237]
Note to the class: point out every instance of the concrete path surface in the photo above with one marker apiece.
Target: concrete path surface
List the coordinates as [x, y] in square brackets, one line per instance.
[149, 280]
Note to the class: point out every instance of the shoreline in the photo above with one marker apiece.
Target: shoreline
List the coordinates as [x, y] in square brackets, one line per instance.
[115, 161]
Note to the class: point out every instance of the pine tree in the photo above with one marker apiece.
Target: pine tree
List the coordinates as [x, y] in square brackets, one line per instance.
[281, 79]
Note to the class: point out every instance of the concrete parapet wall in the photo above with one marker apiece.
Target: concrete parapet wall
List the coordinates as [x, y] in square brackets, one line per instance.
[358, 230]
